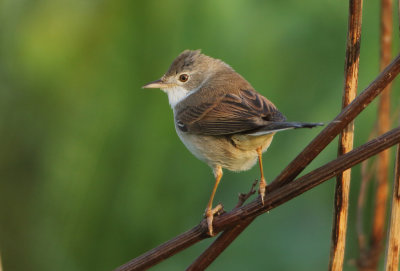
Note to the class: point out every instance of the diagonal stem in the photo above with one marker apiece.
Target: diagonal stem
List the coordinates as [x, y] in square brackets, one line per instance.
[276, 197]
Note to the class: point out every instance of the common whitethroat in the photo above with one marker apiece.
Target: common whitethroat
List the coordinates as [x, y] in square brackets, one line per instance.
[219, 117]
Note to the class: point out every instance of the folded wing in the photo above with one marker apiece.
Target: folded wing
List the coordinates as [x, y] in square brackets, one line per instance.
[245, 112]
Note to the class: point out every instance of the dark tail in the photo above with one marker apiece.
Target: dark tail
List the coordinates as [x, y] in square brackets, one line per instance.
[296, 125]
[273, 127]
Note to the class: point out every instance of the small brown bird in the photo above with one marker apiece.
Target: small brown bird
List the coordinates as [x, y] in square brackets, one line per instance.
[219, 116]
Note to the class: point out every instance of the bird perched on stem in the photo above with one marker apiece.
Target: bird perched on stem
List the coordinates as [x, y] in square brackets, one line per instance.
[219, 117]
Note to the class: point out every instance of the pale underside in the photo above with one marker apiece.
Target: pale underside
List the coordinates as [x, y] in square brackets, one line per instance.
[235, 152]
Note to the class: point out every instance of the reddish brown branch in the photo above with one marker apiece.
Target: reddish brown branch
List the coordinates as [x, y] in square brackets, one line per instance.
[378, 230]
[240, 215]
[384, 125]
[369, 257]
[342, 189]
[274, 198]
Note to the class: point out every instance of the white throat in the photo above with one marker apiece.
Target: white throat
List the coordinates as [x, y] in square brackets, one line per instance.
[176, 94]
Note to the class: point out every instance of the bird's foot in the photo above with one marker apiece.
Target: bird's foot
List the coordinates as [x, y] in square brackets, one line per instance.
[261, 189]
[209, 215]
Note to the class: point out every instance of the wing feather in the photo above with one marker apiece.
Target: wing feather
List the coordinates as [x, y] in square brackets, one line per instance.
[244, 112]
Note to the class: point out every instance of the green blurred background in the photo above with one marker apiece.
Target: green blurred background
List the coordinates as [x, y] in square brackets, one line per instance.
[92, 173]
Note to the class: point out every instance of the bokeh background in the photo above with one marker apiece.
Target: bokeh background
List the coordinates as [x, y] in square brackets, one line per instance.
[92, 173]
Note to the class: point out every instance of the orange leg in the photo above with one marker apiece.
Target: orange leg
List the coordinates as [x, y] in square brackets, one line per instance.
[209, 210]
[263, 183]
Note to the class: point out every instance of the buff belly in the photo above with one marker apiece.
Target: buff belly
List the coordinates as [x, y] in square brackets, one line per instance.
[235, 153]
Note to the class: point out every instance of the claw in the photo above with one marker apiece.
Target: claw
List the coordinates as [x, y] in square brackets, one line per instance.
[209, 214]
[261, 190]
[263, 184]
[210, 218]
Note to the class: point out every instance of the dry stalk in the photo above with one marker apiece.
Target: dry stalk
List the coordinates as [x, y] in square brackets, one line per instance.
[369, 257]
[342, 189]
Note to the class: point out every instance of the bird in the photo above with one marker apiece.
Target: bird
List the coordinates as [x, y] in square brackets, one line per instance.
[220, 117]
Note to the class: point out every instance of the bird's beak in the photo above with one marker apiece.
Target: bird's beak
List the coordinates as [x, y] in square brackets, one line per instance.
[155, 84]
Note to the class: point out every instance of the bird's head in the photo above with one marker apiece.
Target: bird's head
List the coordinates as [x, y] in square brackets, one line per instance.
[190, 71]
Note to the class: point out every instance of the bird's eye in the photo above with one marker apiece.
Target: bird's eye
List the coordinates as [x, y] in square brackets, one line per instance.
[183, 77]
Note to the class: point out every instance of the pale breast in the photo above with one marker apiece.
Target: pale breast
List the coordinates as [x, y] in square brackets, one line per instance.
[234, 153]
[251, 142]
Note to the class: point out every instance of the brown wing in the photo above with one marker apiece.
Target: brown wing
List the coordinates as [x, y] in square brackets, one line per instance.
[229, 114]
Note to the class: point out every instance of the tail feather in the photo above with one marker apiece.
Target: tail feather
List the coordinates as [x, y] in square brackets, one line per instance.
[274, 127]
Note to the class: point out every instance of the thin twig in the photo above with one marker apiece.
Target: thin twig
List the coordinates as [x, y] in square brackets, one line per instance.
[274, 198]
[369, 257]
[243, 197]
[384, 125]
[378, 230]
[342, 189]
[199, 232]
[393, 246]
